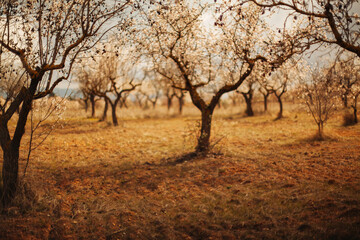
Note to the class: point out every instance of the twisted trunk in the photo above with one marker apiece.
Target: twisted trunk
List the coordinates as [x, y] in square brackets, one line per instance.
[10, 146]
[113, 113]
[204, 139]
[248, 99]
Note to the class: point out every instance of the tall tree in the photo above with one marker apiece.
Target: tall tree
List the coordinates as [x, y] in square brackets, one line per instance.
[46, 37]
[203, 59]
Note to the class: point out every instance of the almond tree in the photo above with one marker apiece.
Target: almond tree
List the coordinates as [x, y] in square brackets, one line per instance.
[46, 37]
[152, 89]
[319, 93]
[265, 91]
[168, 83]
[88, 84]
[119, 76]
[280, 80]
[248, 93]
[175, 33]
[329, 21]
[346, 73]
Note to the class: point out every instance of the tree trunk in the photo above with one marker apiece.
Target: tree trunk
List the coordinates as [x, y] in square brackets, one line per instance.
[106, 107]
[345, 100]
[113, 114]
[354, 106]
[11, 147]
[280, 114]
[181, 104]
[203, 146]
[320, 130]
[10, 175]
[86, 104]
[265, 102]
[92, 101]
[169, 102]
[248, 99]
[355, 115]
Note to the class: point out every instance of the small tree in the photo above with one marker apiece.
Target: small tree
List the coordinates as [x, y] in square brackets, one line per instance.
[248, 93]
[319, 94]
[280, 80]
[88, 84]
[118, 77]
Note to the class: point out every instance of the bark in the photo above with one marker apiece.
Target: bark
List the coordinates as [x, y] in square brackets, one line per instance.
[181, 105]
[345, 100]
[265, 103]
[86, 104]
[248, 99]
[106, 107]
[169, 103]
[204, 139]
[113, 114]
[266, 96]
[355, 116]
[320, 130]
[10, 174]
[92, 101]
[354, 106]
[280, 114]
[11, 147]
[181, 102]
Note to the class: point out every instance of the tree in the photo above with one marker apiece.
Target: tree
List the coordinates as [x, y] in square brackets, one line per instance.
[152, 89]
[118, 76]
[46, 37]
[327, 21]
[279, 81]
[265, 90]
[346, 72]
[88, 84]
[248, 94]
[178, 37]
[319, 94]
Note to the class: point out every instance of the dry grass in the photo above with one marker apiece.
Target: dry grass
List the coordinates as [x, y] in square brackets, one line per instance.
[265, 179]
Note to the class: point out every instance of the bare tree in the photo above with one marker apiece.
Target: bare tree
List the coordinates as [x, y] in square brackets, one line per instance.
[88, 85]
[248, 93]
[279, 82]
[319, 94]
[46, 37]
[346, 73]
[152, 89]
[200, 57]
[119, 76]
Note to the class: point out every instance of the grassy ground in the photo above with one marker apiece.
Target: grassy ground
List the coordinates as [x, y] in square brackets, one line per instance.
[264, 179]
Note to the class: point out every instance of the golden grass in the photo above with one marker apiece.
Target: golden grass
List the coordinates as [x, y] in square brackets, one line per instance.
[264, 179]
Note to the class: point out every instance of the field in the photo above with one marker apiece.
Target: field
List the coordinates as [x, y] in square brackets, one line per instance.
[264, 179]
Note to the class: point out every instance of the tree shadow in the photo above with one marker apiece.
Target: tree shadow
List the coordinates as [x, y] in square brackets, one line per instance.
[184, 158]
